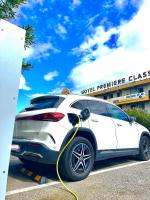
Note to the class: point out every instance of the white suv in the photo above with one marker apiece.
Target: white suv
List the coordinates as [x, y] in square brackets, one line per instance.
[43, 128]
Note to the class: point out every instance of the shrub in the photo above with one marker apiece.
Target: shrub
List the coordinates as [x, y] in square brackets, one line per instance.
[142, 117]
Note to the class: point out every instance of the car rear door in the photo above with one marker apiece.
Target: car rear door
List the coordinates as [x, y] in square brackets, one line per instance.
[127, 133]
[102, 125]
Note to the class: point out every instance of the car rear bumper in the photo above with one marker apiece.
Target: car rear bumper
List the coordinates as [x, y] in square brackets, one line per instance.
[34, 151]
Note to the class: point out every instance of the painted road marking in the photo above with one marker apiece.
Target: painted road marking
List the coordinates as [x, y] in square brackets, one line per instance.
[17, 191]
[27, 189]
[119, 167]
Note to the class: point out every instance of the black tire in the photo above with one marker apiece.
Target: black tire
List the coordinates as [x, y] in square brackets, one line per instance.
[77, 160]
[144, 149]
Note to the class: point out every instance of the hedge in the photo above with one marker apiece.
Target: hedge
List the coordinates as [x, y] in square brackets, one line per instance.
[142, 117]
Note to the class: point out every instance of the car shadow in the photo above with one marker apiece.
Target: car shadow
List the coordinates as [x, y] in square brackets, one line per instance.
[14, 171]
[49, 171]
[15, 167]
[113, 162]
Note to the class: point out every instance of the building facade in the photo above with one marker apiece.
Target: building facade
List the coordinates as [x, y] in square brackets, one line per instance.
[133, 94]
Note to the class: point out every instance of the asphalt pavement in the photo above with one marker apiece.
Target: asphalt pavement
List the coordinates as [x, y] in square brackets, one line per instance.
[113, 179]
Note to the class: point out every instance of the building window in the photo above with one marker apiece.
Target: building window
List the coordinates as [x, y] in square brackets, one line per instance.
[110, 96]
[133, 106]
[140, 89]
[119, 93]
[105, 97]
[141, 106]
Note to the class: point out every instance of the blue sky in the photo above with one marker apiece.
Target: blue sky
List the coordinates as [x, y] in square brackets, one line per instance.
[80, 43]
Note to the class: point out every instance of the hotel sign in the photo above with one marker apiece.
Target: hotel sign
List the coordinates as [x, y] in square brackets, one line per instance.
[116, 83]
[129, 97]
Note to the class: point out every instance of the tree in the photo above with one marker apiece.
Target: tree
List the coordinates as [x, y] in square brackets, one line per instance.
[8, 11]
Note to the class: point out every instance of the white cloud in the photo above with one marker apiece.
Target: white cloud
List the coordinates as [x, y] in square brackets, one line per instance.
[51, 75]
[56, 91]
[91, 20]
[61, 30]
[98, 39]
[61, 84]
[120, 3]
[28, 4]
[31, 3]
[41, 50]
[66, 19]
[108, 4]
[136, 3]
[37, 2]
[131, 57]
[59, 87]
[28, 52]
[44, 10]
[36, 95]
[74, 4]
[23, 85]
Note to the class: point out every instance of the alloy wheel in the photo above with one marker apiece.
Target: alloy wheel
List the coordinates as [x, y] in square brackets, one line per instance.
[81, 158]
[146, 147]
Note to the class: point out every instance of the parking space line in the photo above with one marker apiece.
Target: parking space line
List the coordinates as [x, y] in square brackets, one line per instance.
[56, 182]
[119, 167]
[31, 188]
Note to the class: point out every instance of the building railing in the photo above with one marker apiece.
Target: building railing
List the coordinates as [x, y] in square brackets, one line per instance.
[130, 98]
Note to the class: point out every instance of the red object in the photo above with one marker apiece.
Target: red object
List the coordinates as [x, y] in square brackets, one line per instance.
[53, 117]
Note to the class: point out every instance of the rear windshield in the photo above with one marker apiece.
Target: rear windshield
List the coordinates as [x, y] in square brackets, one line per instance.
[44, 102]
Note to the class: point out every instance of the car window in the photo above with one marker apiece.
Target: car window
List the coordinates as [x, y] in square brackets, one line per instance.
[80, 104]
[44, 102]
[117, 113]
[98, 108]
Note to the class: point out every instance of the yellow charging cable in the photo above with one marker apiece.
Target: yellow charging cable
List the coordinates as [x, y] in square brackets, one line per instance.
[57, 163]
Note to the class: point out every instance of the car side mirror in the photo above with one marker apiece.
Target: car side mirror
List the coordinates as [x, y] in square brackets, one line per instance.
[85, 114]
[132, 119]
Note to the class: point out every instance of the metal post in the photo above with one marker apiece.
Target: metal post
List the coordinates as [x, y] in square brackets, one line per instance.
[11, 53]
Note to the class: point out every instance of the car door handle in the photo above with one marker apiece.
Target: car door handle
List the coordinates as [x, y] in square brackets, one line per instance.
[94, 120]
[119, 124]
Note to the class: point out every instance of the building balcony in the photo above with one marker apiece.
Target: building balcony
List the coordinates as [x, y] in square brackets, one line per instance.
[131, 98]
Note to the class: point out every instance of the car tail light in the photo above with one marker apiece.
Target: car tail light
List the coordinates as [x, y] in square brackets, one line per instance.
[53, 117]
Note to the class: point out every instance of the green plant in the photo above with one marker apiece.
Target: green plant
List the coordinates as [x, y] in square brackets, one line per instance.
[142, 117]
[7, 8]
[8, 11]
